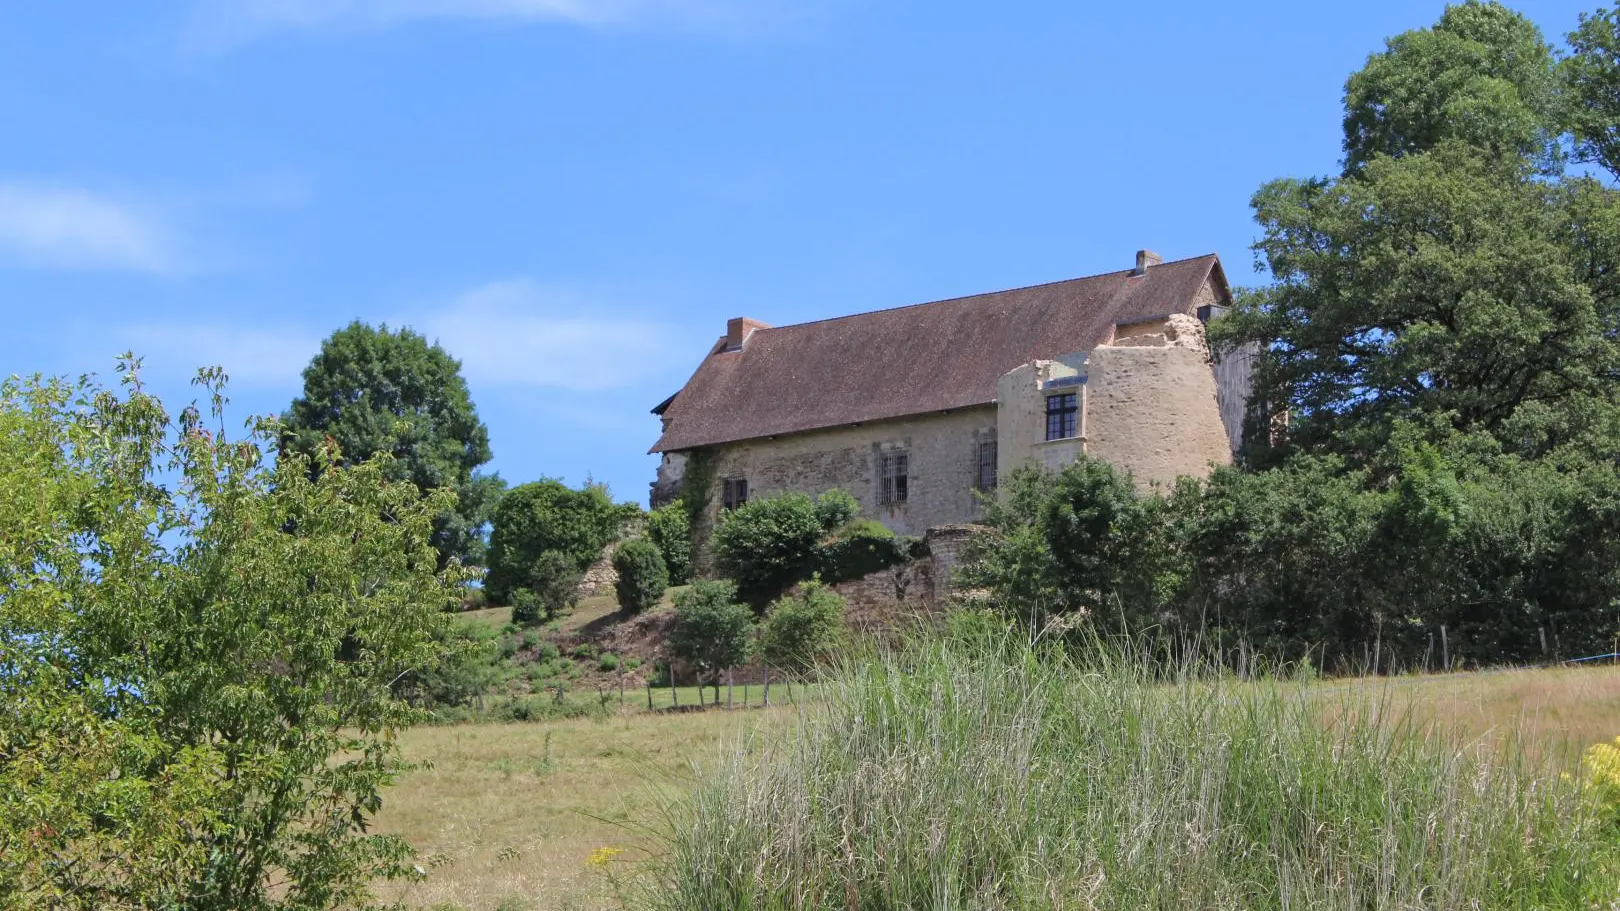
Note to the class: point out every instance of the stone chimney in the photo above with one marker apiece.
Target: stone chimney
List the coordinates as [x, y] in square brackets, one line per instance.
[738, 330]
[1145, 258]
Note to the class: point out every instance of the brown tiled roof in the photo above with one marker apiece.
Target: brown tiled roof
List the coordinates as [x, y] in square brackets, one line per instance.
[911, 360]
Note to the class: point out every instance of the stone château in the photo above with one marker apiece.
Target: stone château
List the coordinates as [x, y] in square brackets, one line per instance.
[919, 411]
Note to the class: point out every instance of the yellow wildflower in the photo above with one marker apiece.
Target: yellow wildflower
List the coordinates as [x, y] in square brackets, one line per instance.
[601, 856]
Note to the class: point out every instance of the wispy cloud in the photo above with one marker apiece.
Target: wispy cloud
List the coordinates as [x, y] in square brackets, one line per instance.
[226, 22]
[70, 228]
[256, 358]
[520, 334]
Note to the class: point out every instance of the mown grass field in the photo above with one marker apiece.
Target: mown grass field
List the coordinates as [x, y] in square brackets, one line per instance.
[508, 816]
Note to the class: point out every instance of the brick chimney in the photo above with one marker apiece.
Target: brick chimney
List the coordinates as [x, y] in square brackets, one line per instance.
[1145, 258]
[738, 330]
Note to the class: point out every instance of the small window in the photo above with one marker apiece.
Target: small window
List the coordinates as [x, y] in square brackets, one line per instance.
[892, 488]
[986, 477]
[733, 492]
[1062, 416]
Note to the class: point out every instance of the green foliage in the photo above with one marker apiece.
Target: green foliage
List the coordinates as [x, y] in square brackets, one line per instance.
[642, 575]
[712, 633]
[374, 389]
[1081, 541]
[1429, 554]
[544, 517]
[671, 530]
[609, 662]
[198, 671]
[768, 545]
[985, 773]
[526, 607]
[859, 548]
[836, 508]
[1591, 76]
[697, 495]
[473, 664]
[803, 628]
[1482, 76]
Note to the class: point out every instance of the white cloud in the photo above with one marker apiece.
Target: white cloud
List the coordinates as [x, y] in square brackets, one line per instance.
[69, 228]
[232, 21]
[254, 358]
[518, 334]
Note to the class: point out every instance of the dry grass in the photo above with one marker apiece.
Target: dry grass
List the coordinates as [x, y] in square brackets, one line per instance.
[508, 815]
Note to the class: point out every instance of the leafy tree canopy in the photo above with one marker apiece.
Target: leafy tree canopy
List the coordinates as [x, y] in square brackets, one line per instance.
[196, 672]
[712, 633]
[548, 516]
[376, 389]
[1452, 276]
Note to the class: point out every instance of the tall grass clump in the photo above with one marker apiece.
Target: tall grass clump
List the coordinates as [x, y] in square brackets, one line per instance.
[977, 775]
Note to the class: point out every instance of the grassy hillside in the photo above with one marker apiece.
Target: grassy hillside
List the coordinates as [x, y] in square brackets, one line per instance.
[508, 815]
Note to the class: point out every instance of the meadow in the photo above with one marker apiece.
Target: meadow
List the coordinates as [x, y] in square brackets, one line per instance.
[510, 816]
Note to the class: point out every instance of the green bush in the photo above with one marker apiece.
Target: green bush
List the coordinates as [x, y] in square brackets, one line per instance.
[609, 662]
[642, 575]
[555, 593]
[712, 632]
[546, 651]
[836, 508]
[669, 528]
[583, 650]
[860, 548]
[990, 774]
[526, 607]
[770, 545]
[803, 628]
[548, 517]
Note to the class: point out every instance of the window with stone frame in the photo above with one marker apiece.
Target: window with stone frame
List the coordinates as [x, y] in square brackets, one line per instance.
[1062, 416]
[733, 492]
[985, 474]
[893, 484]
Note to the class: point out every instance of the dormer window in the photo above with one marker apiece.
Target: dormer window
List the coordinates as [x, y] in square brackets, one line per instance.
[1062, 416]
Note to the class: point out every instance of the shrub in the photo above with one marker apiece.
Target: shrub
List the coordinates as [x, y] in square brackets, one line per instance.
[1110, 780]
[860, 548]
[836, 508]
[526, 607]
[609, 662]
[669, 528]
[556, 588]
[474, 598]
[583, 650]
[471, 667]
[546, 651]
[712, 632]
[767, 545]
[642, 575]
[803, 628]
[548, 517]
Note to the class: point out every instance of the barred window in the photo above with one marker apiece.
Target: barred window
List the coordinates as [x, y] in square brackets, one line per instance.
[1062, 414]
[892, 483]
[986, 477]
[733, 492]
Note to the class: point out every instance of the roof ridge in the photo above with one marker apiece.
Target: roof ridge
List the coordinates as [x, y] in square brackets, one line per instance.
[962, 297]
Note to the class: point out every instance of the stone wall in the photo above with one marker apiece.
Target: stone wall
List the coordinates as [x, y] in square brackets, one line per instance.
[600, 577]
[881, 602]
[942, 455]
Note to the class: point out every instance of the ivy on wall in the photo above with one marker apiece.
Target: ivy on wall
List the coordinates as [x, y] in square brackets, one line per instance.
[697, 493]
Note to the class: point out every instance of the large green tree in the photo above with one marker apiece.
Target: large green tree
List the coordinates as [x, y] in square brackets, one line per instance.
[196, 658]
[374, 389]
[1452, 275]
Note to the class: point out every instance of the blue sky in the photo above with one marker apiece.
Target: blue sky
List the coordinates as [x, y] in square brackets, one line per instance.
[574, 195]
